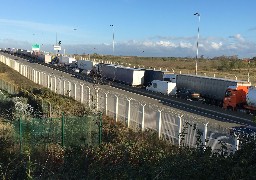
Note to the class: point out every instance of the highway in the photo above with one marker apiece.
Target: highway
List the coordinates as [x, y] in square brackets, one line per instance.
[213, 114]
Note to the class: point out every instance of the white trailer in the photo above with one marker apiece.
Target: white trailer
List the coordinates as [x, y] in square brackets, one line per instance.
[46, 58]
[164, 87]
[129, 76]
[66, 60]
[86, 64]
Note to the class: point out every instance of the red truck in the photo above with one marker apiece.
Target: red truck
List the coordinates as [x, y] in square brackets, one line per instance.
[240, 98]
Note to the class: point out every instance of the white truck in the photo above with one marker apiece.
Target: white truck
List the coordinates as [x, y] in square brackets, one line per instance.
[66, 60]
[46, 58]
[85, 66]
[164, 87]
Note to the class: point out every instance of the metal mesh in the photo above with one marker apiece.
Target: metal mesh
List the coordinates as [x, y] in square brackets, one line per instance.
[135, 121]
[151, 117]
[111, 105]
[122, 109]
[102, 100]
[65, 131]
[170, 127]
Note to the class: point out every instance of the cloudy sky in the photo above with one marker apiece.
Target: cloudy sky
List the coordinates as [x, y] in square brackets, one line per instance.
[140, 27]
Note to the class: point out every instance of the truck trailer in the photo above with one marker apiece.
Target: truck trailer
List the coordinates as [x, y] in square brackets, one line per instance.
[86, 64]
[66, 60]
[210, 88]
[130, 76]
[164, 87]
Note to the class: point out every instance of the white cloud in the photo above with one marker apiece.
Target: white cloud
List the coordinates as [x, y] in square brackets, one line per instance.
[166, 44]
[215, 45]
[148, 43]
[185, 45]
[237, 37]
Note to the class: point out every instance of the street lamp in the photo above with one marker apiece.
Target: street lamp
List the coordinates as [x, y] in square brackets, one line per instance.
[197, 14]
[113, 38]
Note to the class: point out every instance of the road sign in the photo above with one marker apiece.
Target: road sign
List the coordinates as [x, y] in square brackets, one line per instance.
[57, 48]
[35, 47]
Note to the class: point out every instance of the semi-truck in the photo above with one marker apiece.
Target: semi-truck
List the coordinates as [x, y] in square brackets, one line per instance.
[65, 60]
[210, 88]
[240, 98]
[86, 66]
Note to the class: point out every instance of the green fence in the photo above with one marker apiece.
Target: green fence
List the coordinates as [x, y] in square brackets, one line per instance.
[64, 131]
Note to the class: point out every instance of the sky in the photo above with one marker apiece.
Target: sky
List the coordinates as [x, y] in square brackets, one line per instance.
[153, 28]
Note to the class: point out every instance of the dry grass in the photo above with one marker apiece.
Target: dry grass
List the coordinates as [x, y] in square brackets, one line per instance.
[6, 130]
[13, 77]
[187, 66]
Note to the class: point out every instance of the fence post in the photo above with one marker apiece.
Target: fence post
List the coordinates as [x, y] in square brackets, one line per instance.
[89, 96]
[69, 88]
[180, 128]
[34, 78]
[159, 123]
[26, 71]
[39, 77]
[75, 91]
[205, 134]
[62, 130]
[64, 87]
[48, 81]
[51, 84]
[60, 84]
[143, 117]
[129, 112]
[82, 93]
[55, 84]
[106, 103]
[236, 143]
[116, 113]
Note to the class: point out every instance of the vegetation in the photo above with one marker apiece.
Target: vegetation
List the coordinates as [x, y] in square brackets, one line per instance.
[125, 155]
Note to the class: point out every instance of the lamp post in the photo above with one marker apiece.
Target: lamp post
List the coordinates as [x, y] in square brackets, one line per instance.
[113, 38]
[197, 14]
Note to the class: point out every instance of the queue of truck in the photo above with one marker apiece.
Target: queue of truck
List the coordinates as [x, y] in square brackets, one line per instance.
[229, 94]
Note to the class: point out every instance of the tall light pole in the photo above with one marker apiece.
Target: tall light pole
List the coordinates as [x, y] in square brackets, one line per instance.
[113, 38]
[197, 14]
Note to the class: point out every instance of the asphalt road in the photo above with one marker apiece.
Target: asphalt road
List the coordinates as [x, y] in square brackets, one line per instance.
[212, 114]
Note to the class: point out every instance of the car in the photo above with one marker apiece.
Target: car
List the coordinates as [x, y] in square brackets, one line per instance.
[188, 94]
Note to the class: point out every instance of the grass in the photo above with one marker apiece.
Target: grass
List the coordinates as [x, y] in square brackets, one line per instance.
[221, 67]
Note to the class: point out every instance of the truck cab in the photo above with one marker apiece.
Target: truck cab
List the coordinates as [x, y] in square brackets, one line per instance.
[235, 97]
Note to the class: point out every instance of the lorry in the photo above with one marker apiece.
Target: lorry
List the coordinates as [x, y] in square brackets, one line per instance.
[211, 89]
[240, 98]
[85, 66]
[65, 60]
[164, 87]
[129, 76]
[46, 58]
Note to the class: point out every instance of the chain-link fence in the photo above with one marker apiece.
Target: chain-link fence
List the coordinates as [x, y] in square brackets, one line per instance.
[64, 131]
[168, 121]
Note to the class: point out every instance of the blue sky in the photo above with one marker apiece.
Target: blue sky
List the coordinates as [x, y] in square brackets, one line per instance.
[141, 27]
